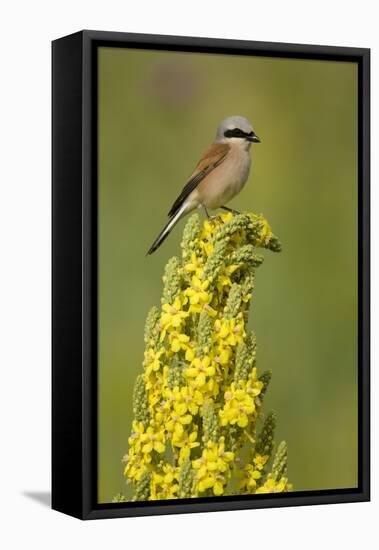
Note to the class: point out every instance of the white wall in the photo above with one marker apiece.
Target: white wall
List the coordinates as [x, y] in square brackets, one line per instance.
[26, 30]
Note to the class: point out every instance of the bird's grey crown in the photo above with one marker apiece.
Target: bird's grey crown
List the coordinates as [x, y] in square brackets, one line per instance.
[232, 122]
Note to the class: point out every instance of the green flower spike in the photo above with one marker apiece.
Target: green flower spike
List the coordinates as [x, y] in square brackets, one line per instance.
[279, 466]
[245, 255]
[204, 331]
[152, 327]
[143, 487]
[265, 378]
[186, 478]
[245, 358]
[210, 422]
[118, 498]
[190, 234]
[140, 401]
[265, 441]
[234, 302]
[172, 281]
[175, 376]
[215, 260]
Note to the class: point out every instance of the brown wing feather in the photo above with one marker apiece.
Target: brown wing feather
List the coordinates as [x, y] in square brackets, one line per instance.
[213, 156]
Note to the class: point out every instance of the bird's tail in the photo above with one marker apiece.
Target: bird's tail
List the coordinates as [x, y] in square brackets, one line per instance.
[167, 229]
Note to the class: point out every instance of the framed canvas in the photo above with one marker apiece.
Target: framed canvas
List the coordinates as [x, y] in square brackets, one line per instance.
[217, 359]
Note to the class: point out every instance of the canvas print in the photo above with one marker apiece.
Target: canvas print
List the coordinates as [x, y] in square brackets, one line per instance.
[227, 275]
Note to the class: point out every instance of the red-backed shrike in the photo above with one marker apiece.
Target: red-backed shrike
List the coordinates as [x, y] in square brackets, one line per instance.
[219, 176]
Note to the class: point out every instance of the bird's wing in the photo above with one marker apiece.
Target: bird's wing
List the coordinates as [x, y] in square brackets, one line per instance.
[213, 156]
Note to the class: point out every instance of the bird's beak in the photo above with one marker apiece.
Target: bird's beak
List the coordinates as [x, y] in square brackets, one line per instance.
[253, 138]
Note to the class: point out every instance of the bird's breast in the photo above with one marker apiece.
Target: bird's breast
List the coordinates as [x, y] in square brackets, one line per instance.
[225, 181]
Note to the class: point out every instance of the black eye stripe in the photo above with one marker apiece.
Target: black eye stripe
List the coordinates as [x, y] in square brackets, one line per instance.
[237, 132]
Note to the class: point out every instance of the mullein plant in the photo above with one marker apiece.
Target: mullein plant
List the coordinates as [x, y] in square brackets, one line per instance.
[198, 428]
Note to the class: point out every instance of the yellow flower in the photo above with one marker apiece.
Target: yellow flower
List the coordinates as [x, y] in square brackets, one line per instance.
[272, 486]
[226, 217]
[207, 231]
[164, 483]
[210, 310]
[200, 369]
[239, 405]
[153, 360]
[195, 265]
[209, 227]
[236, 333]
[197, 294]
[230, 331]
[265, 232]
[153, 440]
[135, 439]
[222, 355]
[178, 418]
[221, 328]
[163, 409]
[190, 352]
[173, 316]
[191, 397]
[137, 460]
[260, 461]
[185, 443]
[224, 279]
[154, 381]
[213, 468]
[178, 341]
[136, 465]
[206, 247]
[249, 482]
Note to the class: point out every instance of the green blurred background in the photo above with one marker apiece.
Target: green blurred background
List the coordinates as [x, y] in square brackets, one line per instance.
[157, 112]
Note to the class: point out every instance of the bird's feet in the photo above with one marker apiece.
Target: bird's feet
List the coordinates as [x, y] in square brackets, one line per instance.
[212, 219]
[216, 219]
[235, 212]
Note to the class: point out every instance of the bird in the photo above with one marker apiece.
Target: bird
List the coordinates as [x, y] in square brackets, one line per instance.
[220, 174]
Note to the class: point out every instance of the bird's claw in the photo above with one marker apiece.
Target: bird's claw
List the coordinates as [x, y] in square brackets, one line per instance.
[215, 219]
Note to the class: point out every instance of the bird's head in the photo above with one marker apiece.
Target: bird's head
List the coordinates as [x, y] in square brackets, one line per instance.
[236, 129]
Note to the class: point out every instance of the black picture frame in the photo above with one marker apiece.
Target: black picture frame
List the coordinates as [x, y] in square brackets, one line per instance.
[74, 273]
